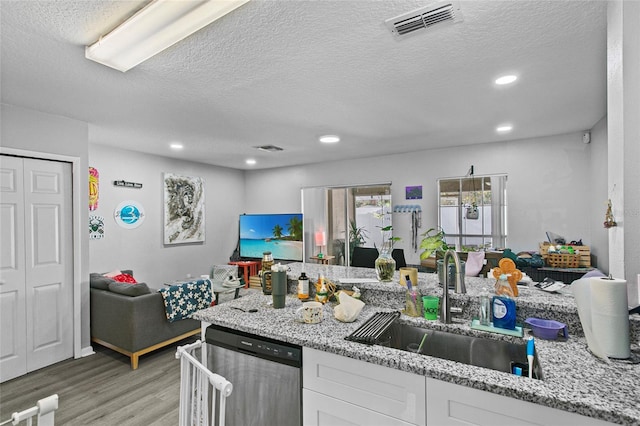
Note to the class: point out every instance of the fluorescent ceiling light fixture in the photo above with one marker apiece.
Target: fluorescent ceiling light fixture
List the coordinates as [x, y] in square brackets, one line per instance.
[157, 26]
[506, 79]
[504, 128]
[176, 146]
[329, 139]
[250, 161]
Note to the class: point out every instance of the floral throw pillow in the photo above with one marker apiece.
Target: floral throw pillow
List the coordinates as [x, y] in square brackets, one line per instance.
[182, 300]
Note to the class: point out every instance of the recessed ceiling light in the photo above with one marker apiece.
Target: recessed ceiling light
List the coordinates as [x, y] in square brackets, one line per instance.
[506, 79]
[250, 161]
[176, 146]
[329, 139]
[504, 128]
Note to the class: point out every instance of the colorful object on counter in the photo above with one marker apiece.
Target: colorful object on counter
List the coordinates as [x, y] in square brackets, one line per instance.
[94, 180]
[504, 307]
[530, 355]
[508, 267]
[303, 286]
[411, 308]
[430, 305]
[546, 329]
[325, 289]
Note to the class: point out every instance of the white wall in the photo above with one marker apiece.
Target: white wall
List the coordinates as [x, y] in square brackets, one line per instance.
[598, 174]
[34, 131]
[142, 248]
[548, 185]
[623, 106]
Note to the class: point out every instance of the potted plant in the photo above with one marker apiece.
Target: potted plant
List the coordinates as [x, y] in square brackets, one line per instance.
[433, 240]
[357, 236]
[385, 264]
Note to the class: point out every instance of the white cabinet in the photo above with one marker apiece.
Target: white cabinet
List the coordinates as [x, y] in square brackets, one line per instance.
[323, 410]
[344, 391]
[450, 404]
[358, 390]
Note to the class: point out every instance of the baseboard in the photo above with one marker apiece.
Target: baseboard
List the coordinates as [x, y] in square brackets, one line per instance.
[87, 351]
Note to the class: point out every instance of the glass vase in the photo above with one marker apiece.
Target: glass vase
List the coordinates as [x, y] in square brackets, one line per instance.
[385, 264]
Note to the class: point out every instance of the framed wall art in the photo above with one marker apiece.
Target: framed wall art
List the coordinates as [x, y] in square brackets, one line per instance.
[413, 192]
[184, 218]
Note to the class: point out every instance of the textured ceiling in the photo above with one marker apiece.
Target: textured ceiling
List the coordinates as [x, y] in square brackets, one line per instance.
[286, 72]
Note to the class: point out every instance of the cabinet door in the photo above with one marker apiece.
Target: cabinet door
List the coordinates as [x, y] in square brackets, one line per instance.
[450, 404]
[322, 410]
[385, 390]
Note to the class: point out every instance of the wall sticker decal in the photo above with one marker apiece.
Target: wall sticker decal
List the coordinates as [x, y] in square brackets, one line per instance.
[129, 214]
[184, 220]
[96, 227]
[94, 179]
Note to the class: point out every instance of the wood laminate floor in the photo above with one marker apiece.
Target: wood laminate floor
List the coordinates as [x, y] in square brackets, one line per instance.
[102, 389]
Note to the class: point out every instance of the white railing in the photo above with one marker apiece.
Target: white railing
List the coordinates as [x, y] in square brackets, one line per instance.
[45, 409]
[196, 381]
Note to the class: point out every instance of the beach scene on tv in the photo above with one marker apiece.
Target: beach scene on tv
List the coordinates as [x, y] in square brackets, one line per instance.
[281, 234]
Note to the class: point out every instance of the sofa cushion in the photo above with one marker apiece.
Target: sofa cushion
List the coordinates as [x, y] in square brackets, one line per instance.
[99, 281]
[128, 289]
[125, 278]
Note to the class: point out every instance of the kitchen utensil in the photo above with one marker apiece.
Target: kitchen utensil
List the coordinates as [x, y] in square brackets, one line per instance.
[245, 310]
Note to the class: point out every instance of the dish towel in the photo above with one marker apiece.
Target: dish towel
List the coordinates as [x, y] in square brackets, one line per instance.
[475, 262]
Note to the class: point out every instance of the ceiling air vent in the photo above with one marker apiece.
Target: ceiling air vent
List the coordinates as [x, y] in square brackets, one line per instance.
[425, 17]
[269, 148]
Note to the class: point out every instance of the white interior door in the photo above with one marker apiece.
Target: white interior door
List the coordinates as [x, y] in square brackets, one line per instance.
[44, 303]
[13, 330]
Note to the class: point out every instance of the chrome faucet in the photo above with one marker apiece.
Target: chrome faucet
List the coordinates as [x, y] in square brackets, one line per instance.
[445, 313]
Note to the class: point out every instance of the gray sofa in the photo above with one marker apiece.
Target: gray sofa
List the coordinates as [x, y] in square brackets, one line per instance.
[133, 325]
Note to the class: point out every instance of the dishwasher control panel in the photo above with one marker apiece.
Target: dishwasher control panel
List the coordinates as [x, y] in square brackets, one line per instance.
[260, 346]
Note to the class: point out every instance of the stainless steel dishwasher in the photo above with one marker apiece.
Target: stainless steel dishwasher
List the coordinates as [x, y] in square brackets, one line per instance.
[266, 375]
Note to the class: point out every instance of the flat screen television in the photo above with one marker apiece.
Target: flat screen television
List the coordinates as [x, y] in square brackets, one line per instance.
[281, 234]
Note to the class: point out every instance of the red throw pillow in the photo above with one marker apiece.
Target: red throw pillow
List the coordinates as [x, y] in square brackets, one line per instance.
[125, 278]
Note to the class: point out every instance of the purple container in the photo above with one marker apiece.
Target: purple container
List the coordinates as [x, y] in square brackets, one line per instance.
[546, 329]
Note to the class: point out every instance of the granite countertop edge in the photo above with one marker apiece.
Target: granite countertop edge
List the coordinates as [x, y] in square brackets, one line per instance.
[574, 379]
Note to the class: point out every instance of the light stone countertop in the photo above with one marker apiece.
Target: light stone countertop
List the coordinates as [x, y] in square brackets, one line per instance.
[574, 379]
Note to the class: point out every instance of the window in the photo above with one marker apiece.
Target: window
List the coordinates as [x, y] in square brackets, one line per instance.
[472, 211]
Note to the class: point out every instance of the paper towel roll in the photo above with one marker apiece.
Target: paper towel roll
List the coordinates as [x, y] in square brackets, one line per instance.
[610, 315]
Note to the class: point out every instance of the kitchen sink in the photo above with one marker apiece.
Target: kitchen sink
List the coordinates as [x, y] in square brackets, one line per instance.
[477, 351]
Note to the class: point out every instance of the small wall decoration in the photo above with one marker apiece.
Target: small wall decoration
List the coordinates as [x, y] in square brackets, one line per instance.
[413, 192]
[127, 184]
[94, 178]
[96, 227]
[184, 219]
[129, 214]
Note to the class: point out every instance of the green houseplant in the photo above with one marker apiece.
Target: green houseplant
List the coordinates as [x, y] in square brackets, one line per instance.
[433, 240]
[385, 264]
[357, 236]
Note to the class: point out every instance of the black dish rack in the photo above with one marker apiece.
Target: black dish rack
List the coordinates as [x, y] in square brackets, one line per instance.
[373, 328]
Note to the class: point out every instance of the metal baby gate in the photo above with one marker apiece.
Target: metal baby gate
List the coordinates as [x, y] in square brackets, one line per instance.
[44, 409]
[196, 383]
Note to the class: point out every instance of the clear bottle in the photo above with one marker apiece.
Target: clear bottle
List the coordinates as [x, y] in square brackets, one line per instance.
[484, 315]
[303, 286]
